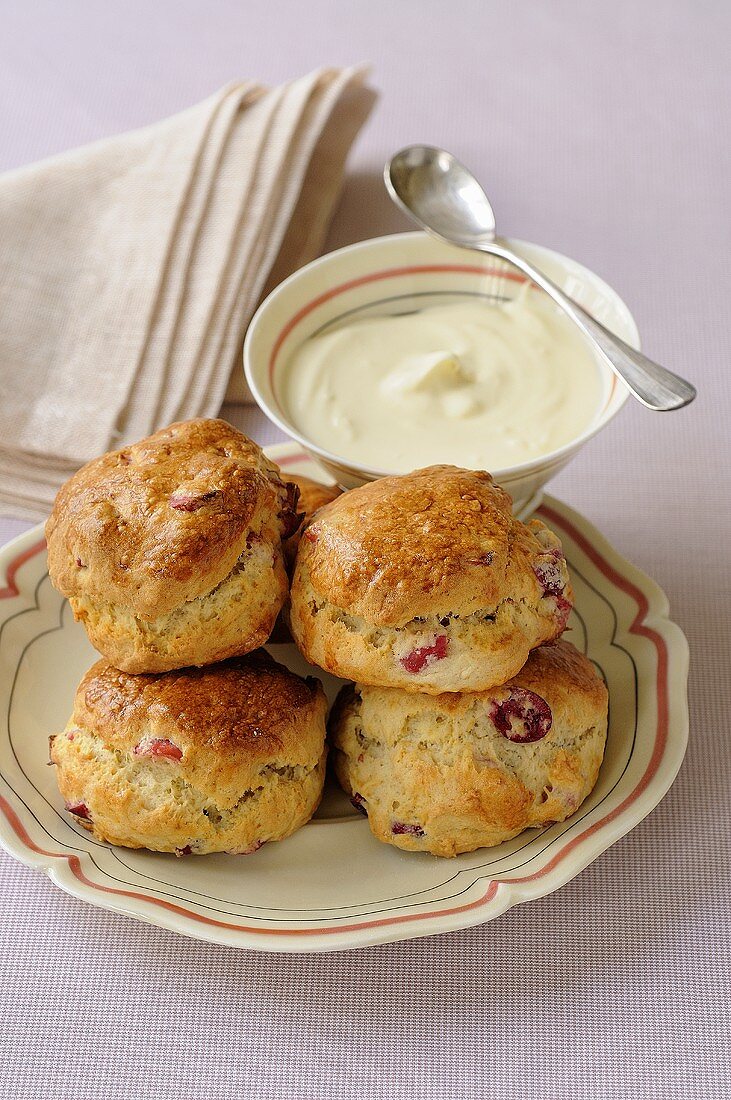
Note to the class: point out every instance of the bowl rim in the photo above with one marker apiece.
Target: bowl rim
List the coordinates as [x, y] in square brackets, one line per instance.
[372, 244]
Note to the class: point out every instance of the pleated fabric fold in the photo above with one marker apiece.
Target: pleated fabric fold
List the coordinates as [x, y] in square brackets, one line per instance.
[130, 268]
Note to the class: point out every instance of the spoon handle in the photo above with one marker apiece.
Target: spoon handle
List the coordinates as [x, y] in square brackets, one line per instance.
[653, 385]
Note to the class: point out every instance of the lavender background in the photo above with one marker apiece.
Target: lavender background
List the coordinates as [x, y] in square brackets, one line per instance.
[600, 130]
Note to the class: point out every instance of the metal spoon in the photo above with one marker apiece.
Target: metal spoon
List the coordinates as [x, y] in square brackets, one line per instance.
[444, 198]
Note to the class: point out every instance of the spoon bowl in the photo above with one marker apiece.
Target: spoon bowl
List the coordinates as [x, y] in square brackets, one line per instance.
[442, 196]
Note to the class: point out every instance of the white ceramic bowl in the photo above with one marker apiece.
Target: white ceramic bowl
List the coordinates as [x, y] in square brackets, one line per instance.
[399, 273]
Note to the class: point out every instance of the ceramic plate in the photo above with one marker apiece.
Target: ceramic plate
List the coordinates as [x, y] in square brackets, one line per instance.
[332, 885]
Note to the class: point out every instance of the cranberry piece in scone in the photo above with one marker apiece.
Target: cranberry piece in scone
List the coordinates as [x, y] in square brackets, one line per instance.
[522, 717]
[79, 809]
[358, 801]
[426, 655]
[401, 828]
[191, 502]
[158, 746]
[550, 574]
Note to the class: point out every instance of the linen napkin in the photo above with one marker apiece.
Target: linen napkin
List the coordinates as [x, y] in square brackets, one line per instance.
[130, 268]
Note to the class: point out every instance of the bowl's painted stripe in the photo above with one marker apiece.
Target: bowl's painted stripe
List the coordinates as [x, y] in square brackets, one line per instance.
[637, 627]
[377, 276]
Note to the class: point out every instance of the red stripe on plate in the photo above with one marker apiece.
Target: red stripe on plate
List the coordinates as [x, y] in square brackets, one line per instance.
[12, 588]
[638, 627]
[292, 460]
[75, 866]
[661, 684]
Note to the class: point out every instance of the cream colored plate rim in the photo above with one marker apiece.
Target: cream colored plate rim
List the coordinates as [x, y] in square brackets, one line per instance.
[621, 622]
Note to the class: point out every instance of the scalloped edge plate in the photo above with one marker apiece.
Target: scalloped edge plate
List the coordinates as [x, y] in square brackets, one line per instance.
[332, 885]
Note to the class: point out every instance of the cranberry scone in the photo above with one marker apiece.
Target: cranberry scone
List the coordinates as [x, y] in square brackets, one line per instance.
[312, 495]
[170, 550]
[218, 759]
[451, 773]
[427, 582]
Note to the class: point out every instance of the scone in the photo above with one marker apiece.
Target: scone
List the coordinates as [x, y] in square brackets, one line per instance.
[312, 495]
[170, 550]
[450, 773]
[427, 582]
[219, 759]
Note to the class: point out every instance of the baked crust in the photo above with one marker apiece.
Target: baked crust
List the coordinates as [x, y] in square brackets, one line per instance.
[215, 759]
[455, 772]
[163, 521]
[170, 550]
[440, 539]
[435, 563]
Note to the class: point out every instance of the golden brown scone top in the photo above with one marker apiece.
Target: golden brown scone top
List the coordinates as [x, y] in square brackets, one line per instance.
[163, 521]
[246, 711]
[312, 495]
[438, 540]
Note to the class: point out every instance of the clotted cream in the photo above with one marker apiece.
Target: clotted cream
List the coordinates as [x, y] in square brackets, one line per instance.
[475, 384]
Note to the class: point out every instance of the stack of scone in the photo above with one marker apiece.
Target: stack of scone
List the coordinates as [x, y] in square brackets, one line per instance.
[469, 720]
[183, 739]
